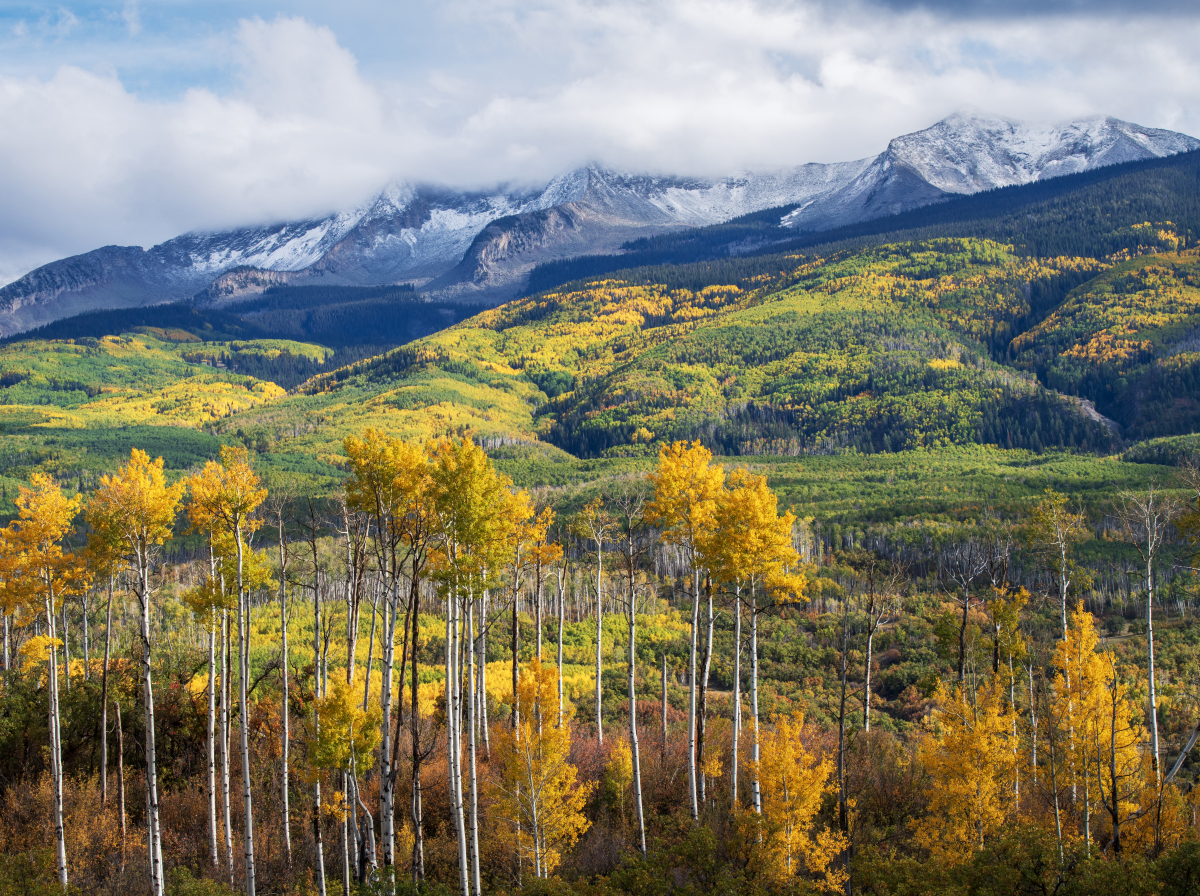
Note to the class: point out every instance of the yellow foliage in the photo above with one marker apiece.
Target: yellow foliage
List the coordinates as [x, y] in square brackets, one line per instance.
[972, 764]
[536, 789]
[794, 780]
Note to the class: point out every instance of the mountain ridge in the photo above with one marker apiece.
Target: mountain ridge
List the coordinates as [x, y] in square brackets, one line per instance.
[481, 246]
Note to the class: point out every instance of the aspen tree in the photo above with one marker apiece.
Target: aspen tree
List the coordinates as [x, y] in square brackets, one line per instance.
[224, 495]
[472, 504]
[1147, 517]
[208, 602]
[633, 543]
[38, 571]
[597, 524]
[1053, 532]
[794, 781]
[686, 489]
[537, 790]
[750, 545]
[971, 764]
[136, 506]
[388, 481]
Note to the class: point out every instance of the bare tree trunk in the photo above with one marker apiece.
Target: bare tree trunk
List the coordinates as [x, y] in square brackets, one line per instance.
[103, 696]
[867, 678]
[755, 785]
[317, 692]
[226, 677]
[244, 703]
[153, 833]
[633, 732]
[454, 742]
[693, 793]
[285, 736]
[664, 706]
[387, 774]
[562, 593]
[418, 856]
[599, 643]
[703, 720]
[66, 642]
[210, 738]
[1153, 708]
[737, 693]
[56, 767]
[120, 777]
[473, 821]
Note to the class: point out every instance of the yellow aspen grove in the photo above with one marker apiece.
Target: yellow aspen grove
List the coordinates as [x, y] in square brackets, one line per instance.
[971, 765]
[38, 574]
[687, 487]
[136, 507]
[748, 546]
[224, 495]
[794, 782]
[473, 507]
[536, 790]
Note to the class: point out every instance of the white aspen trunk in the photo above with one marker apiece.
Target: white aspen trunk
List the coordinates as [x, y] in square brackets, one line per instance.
[7, 645]
[562, 593]
[1153, 719]
[285, 736]
[453, 733]
[599, 641]
[210, 745]
[418, 855]
[867, 679]
[244, 702]
[755, 758]
[633, 731]
[693, 793]
[56, 768]
[476, 885]
[349, 807]
[87, 656]
[316, 817]
[481, 694]
[103, 698]
[387, 777]
[703, 720]
[66, 649]
[153, 833]
[226, 691]
[120, 778]
[664, 706]
[737, 693]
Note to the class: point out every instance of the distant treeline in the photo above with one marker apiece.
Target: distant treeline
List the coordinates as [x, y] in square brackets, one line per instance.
[357, 322]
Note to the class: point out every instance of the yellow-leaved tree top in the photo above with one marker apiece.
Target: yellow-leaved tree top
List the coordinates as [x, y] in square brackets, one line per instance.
[535, 788]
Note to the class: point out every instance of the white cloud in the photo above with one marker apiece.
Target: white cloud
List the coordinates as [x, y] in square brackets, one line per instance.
[522, 91]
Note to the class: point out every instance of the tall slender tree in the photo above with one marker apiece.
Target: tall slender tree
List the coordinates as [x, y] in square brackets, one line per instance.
[596, 524]
[224, 496]
[136, 507]
[686, 488]
[1147, 516]
[39, 574]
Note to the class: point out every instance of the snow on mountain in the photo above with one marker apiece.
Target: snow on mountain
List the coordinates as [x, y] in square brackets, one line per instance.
[481, 244]
[967, 154]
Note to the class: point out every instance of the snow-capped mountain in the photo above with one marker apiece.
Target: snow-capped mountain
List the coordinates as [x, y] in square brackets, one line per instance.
[968, 154]
[481, 245]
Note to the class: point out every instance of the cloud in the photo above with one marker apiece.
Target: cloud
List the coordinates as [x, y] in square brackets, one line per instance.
[480, 91]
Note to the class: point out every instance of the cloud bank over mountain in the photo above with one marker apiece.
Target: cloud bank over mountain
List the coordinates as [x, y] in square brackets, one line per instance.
[129, 126]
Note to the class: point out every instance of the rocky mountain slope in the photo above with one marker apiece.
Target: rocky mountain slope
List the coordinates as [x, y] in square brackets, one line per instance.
[481, 245]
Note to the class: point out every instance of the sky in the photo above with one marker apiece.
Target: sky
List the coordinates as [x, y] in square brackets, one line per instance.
[129, 121]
